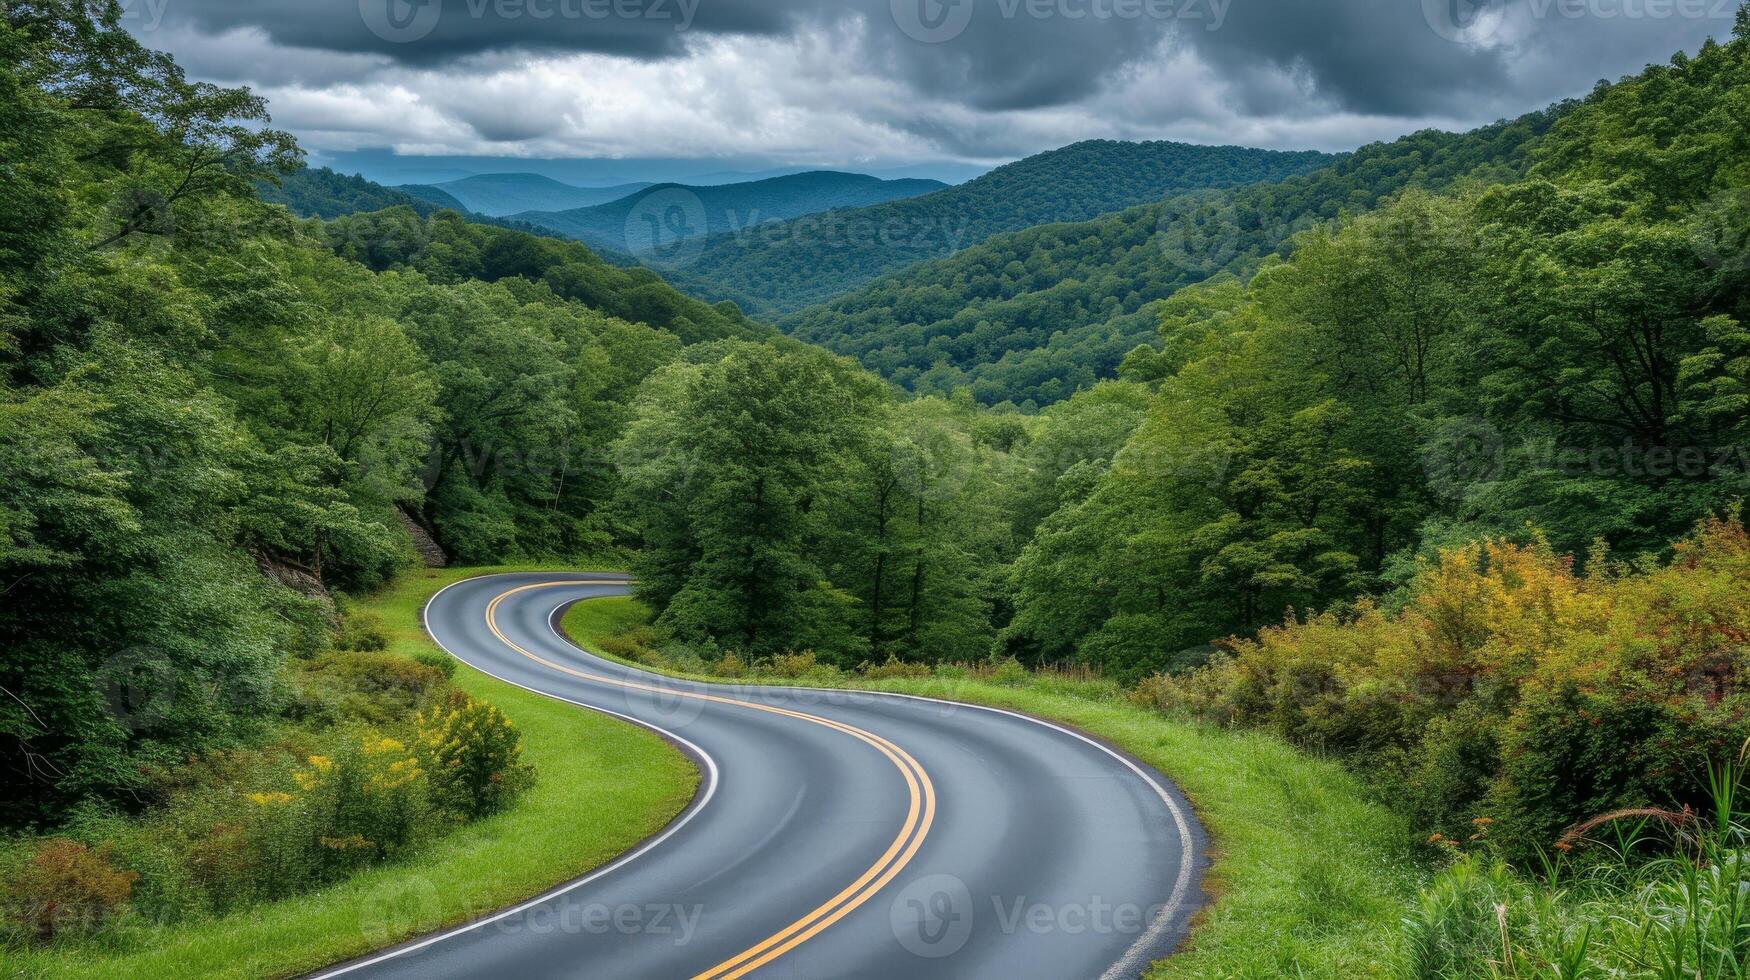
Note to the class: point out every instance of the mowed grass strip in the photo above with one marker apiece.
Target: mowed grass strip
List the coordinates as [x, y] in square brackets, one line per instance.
[603, 786]
[1310, 877]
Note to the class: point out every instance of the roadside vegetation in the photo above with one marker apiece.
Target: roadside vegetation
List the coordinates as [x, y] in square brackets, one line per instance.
[220, 881]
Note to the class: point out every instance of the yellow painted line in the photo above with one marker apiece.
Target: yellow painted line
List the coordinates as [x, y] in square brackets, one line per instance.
[920, 814]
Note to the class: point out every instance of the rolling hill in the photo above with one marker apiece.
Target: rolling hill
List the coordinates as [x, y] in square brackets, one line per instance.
[322, 193]
[810, 260]
[1034, 316]
[498, 195]
[723, 208]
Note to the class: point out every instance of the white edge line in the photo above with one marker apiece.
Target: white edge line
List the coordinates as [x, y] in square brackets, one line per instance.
[618, 863]
[1127, 965]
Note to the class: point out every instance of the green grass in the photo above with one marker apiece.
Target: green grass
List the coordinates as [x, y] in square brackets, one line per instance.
[604, 785]
[1310, 878]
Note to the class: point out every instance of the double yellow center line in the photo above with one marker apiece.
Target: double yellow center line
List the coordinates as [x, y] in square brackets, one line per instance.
[919, 816]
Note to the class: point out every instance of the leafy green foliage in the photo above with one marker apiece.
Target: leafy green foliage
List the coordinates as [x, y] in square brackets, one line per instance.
[784, 503]
[207, 418]
[1559, 350]
[446, 248]
[472, 756]
[322, 193]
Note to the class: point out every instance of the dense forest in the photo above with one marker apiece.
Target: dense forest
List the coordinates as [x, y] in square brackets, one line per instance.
[1563, 350]
[322, 193]
[683, 212]
[199, 388]
[1034, 316]
[789, 265]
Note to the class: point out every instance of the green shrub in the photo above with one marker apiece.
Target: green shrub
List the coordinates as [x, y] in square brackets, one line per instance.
[443, 663]
[362, 631]
[471, 754]
[375, 688]
[1009, 672]
[792, 664]
[729, 665]
[1601, 908]
[893, 667]
[338, 813]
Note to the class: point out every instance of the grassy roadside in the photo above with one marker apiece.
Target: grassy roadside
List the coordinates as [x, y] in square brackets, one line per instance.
[1310, 878]
[603, 786]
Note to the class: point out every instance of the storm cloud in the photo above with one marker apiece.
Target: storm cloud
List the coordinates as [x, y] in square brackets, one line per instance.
[874, 82]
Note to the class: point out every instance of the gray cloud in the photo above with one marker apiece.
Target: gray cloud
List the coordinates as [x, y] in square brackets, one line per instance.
[899, 80]
[428, 32]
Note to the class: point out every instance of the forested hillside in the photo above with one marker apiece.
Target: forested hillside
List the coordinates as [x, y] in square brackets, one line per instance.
[207, 416]
[793, 264]
[499, 195]
[448, 247]
[1564, 351]
[1033, 316]
[322, 193]
[720, 209]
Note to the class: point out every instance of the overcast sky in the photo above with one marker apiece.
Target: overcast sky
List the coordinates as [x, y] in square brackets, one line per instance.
[870, 84]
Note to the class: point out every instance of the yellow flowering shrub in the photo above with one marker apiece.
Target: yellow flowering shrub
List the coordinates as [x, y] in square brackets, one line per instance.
[472, 755]
[1512, 685]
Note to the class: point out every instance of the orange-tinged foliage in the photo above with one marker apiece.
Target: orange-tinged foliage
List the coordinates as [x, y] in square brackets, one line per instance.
[67, 887]
[1512, 683]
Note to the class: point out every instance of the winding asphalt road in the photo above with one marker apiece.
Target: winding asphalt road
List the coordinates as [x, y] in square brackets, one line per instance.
[835, 834]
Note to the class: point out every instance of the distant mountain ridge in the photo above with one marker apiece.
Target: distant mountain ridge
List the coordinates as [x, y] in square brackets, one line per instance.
[803, 263]
[1033, 316]
[690, 211]
[499, 195]
[322, 193]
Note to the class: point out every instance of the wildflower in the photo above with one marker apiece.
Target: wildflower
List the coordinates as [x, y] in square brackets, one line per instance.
[269, 799]
[1563, 846]
[321, 763]
[1483, 821]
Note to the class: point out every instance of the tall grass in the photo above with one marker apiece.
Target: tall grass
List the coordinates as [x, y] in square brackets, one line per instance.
[1635, 893]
